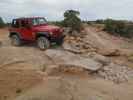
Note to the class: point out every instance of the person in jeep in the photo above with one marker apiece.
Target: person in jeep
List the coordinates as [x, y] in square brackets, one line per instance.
[35, 29]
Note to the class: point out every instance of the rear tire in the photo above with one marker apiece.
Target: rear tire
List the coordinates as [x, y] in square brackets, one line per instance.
[15, 40]
[43, 43]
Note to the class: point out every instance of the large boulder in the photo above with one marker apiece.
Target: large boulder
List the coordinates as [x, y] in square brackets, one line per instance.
[66, 58]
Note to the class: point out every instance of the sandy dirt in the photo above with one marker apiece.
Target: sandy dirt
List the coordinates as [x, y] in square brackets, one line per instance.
[70, 87]
[13, 82]
[22, 76]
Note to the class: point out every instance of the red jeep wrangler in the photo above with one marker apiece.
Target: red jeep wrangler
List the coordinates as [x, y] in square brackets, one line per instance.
[35, 29]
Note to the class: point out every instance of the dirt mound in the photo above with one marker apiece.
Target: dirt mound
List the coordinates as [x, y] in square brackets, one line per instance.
[94, 40]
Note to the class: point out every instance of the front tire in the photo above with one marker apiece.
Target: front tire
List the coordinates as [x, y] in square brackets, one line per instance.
[43, 43]
[15, 40]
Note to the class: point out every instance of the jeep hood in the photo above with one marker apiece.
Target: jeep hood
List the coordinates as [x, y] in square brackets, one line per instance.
[43, 28]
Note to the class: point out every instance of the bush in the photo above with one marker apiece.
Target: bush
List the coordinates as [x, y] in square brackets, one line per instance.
[2, 24]
[99, 21]
[121, 28]
[72, 20]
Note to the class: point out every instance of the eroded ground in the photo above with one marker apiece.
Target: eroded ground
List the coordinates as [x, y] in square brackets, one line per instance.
[26, 73]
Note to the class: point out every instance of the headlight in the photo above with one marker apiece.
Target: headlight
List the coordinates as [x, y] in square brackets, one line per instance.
[51, 33]
[61, 30]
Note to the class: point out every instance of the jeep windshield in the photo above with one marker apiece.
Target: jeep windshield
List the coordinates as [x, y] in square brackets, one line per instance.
[39, 21]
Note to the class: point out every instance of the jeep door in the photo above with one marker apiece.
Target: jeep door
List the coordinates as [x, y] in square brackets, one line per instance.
[26, 30]
[15, 27]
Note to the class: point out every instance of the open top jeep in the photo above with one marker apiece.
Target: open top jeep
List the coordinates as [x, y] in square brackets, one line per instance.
[35, 29]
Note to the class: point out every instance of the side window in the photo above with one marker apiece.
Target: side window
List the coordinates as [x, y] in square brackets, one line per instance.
[34, 22]
[23, 24]
[15, 24]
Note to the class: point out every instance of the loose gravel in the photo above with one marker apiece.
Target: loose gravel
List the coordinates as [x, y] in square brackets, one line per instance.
[116, 73]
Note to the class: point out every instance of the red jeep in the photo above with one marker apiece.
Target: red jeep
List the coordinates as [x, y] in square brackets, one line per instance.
[35, 29]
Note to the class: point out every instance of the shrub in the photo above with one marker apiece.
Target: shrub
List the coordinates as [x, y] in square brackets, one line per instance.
[99, 21]
[2, 24]
[121, 28]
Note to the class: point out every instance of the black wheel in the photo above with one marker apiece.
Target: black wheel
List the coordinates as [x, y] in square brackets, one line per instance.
[15, 40]
[43, 43]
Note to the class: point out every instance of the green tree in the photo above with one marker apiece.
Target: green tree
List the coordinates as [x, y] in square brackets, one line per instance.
[2, 24]
[72, 20]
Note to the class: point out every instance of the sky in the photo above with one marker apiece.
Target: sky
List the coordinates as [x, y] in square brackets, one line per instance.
[54, 9]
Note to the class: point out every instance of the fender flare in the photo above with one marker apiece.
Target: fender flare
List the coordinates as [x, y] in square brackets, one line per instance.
[14, 33]
[46, 34]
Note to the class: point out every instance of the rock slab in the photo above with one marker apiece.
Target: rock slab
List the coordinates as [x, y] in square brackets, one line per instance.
[66, 58]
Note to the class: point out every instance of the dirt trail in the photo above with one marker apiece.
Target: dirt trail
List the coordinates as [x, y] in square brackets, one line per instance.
[98, 39]
[105, 41]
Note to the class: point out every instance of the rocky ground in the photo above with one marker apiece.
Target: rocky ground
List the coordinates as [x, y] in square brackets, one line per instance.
[105, 49]
[93, 65]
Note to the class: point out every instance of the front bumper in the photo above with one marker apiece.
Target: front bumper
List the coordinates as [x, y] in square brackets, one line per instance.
[56, 39]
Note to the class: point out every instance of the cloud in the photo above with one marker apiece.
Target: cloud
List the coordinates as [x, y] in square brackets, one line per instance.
[54, 9]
